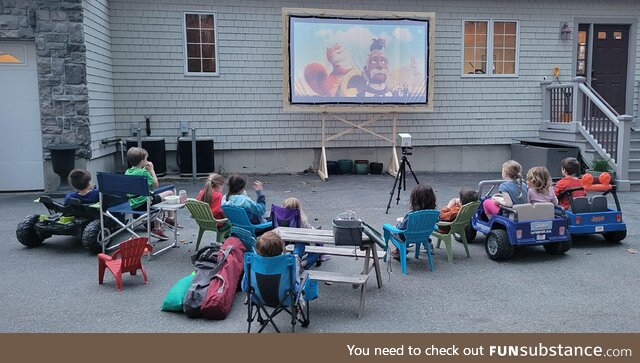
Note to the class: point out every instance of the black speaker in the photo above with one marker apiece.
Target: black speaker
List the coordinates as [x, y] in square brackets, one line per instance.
[157, 152]
[204, 156]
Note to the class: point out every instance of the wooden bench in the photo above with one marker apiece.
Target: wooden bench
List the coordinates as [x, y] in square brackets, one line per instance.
[357, 280]
[369, 256]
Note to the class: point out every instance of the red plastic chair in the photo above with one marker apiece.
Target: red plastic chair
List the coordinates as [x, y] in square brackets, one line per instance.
[130, 253]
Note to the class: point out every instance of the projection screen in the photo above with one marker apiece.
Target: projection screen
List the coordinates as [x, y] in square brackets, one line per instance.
[344, 60]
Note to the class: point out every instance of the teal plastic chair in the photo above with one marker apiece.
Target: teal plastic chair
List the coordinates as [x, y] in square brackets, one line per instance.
[420, 225]
[239, 218]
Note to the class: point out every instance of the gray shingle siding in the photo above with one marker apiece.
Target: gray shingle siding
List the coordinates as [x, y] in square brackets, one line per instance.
[242, 108]
[99, 74]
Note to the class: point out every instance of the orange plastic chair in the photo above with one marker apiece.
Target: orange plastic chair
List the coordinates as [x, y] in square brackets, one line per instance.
[130, 253]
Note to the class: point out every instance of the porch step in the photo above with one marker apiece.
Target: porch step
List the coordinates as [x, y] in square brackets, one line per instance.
[635, 186]
[634, 175]
[634, 153]
[634, 164]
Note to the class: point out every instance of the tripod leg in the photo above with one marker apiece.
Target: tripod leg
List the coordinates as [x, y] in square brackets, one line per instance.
[403, 179]
[412, 173]
[392, 190]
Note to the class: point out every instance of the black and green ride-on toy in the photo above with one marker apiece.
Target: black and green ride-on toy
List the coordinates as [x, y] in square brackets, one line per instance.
[76, 219]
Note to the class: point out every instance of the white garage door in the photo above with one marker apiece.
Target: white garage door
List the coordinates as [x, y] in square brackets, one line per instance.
[21, 165]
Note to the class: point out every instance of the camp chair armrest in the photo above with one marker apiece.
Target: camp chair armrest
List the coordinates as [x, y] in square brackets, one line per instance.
[263, 225]
[164, 188]
[392, 229]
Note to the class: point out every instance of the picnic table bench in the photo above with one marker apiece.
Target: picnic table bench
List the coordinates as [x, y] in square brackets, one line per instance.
[368, 252]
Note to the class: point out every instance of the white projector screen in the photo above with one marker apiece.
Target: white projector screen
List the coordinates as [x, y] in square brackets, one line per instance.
[341, 61]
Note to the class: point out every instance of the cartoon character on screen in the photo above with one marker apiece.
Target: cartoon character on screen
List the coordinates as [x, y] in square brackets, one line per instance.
[324, 83]
[372, 82]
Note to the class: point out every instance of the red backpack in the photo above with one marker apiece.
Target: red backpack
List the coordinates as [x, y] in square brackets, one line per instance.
[222, 288]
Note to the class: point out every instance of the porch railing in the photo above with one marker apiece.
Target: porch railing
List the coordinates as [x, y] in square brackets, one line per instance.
[578, 104]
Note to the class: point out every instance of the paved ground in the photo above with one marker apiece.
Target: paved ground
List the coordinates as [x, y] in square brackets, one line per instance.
[593, 288]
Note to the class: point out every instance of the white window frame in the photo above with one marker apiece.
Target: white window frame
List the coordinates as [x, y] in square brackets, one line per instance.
[184, 44]
[490, 73]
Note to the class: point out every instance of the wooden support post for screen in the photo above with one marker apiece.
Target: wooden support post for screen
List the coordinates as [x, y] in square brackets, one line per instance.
[323, 171]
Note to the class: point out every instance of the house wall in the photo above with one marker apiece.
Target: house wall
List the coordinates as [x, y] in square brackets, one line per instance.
[97, 33]
[242, 108]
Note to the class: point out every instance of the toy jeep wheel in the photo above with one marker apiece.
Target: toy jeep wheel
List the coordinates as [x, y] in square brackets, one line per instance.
[92, 236]
[615, 237]
[557, 248]
[497, 245]
[26, 232]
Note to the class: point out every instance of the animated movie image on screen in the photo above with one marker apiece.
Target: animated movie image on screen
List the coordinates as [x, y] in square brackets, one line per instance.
[337, 60]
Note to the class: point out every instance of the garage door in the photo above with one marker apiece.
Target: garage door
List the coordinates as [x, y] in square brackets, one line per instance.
[21, 165]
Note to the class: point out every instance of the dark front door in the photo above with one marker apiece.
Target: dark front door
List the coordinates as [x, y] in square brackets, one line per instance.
[609, 66]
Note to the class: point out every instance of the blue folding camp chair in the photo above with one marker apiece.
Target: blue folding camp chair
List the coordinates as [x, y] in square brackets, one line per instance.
[270, 283]
[239, 218]
[420, 225]
[123, 187]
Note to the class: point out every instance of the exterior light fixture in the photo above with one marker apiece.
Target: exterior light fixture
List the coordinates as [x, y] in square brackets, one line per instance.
[565, 32]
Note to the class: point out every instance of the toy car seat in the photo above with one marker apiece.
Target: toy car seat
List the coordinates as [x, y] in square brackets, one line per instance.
[581, 205]
[533, 212]
[599, 203]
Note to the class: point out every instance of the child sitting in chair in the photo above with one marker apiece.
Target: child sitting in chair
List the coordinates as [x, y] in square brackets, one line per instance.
[137, 157]
[513, 187]
[238, 196]
[422, 197]
[86, 192]
[450, 212]
[269, 245]
[211, 194]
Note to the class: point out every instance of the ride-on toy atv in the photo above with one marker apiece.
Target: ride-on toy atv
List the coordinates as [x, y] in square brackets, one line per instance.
[593, 215]
[75, 219]
[520, 225]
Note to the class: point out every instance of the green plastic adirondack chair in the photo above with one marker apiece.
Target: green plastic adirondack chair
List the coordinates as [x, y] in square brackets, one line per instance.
[457, 226]
[201, 213]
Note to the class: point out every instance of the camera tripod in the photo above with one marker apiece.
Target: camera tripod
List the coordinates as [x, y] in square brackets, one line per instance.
[401, 177]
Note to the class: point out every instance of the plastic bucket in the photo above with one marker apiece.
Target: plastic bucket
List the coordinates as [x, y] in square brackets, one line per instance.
[332, 167]
[362, 167]
[345, 166]
[375, 168]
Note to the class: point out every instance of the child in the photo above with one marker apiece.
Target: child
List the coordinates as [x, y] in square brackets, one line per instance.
[269, 245]
[539, 183]
[238, 196]
[211, 194]
[137, 157]
[450, 212]
[421, 198]
[570, 169]
[513, 185]
[312, 258]
[86, 192]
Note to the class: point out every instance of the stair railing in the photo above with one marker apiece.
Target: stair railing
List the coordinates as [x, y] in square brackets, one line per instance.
[606, 131]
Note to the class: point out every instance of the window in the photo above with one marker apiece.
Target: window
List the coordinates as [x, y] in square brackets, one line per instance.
[490, 42]
[201, 50]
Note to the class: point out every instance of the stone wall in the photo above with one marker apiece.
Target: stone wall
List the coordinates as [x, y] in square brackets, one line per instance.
[57, 29]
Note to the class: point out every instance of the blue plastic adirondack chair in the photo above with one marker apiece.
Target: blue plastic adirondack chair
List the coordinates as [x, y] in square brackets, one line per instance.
[270, 283]
[420, 225]
[239, 218]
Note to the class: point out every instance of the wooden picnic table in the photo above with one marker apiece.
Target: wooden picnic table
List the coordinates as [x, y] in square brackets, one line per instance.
[369, 255]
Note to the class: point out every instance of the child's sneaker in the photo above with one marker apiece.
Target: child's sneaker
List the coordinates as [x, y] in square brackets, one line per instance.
[159, 234]
[171, 222]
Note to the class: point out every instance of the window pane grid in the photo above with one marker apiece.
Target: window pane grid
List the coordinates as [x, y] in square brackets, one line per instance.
[200, 39]
[504, 47]
[475, 47]
[490, 41]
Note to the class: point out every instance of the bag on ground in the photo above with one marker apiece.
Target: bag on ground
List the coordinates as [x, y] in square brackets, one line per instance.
[219, 298]
[209, 260]
[175, 296]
